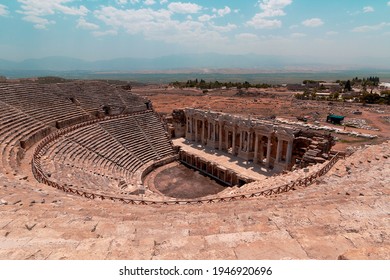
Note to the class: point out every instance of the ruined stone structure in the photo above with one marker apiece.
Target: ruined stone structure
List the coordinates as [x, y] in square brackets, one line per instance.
[227, 177]
[176, 123]
[261, 141]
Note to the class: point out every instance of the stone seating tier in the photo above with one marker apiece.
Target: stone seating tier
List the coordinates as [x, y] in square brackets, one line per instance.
[87, 180]
[67, 151]
[35, 101]
[31, 111]
[85, 94]
[15, 126]
[114, 149]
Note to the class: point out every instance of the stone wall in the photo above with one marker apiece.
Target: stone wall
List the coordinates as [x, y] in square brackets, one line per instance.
[179, 123]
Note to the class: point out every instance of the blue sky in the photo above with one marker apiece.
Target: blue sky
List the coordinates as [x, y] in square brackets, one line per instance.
[330, 31]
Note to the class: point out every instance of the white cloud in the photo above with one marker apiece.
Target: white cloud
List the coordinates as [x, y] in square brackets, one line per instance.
[259, 22]
[158, 25]
[184, 8]
[388, 3]
[273, 13]
[39, 23]
[149, 2]
[226, 28]
[35, 11]
[368, 28]
[217, 12]
[313, 22]
[223, 12]
[134, 21]
[273, 4]
[124, 2]
[83, 24]
[162, 2]
[3, 10]
[270, 9]
[204, 18]
[132, 1]
[368, 9]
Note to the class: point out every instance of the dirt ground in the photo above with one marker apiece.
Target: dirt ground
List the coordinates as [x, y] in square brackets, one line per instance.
[181, 182]
[278, 102]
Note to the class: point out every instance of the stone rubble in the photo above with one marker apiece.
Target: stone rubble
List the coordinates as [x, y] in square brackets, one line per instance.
[328, 128]
[359, 123]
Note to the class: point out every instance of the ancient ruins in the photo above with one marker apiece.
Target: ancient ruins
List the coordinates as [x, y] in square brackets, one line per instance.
[88, 144]
[260, 141]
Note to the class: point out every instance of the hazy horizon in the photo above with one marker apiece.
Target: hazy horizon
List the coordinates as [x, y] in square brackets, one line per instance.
[351, 32]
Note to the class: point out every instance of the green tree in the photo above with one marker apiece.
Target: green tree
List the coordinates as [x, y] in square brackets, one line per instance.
[348, 86]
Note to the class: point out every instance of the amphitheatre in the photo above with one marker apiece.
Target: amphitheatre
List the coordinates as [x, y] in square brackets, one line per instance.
[94, 170]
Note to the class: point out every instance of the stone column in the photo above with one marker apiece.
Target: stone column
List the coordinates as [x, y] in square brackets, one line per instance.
[196, 130]
[240, 147]
[245, 144]
[279, 150]
[268, 151]
[220, 136]
[234, 141]
[209, 130]
[256, 147]
[193, 123]
[261, 145]
[289, 152]
[248, 148]
[227, 131]
[203, 129]
[191, 129]
[214, 131]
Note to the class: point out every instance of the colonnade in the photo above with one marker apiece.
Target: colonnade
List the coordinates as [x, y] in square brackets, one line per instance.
[226, 176]
[253, 140]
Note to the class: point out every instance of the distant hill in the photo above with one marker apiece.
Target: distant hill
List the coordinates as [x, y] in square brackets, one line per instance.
[147, 64]
[235, 68]
[183, 63]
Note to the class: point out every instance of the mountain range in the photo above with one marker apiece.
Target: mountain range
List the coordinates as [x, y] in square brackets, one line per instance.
[206, 62]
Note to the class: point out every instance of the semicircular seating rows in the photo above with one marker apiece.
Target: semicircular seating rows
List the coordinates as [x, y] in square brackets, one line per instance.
[104, 156]
[107, 155]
